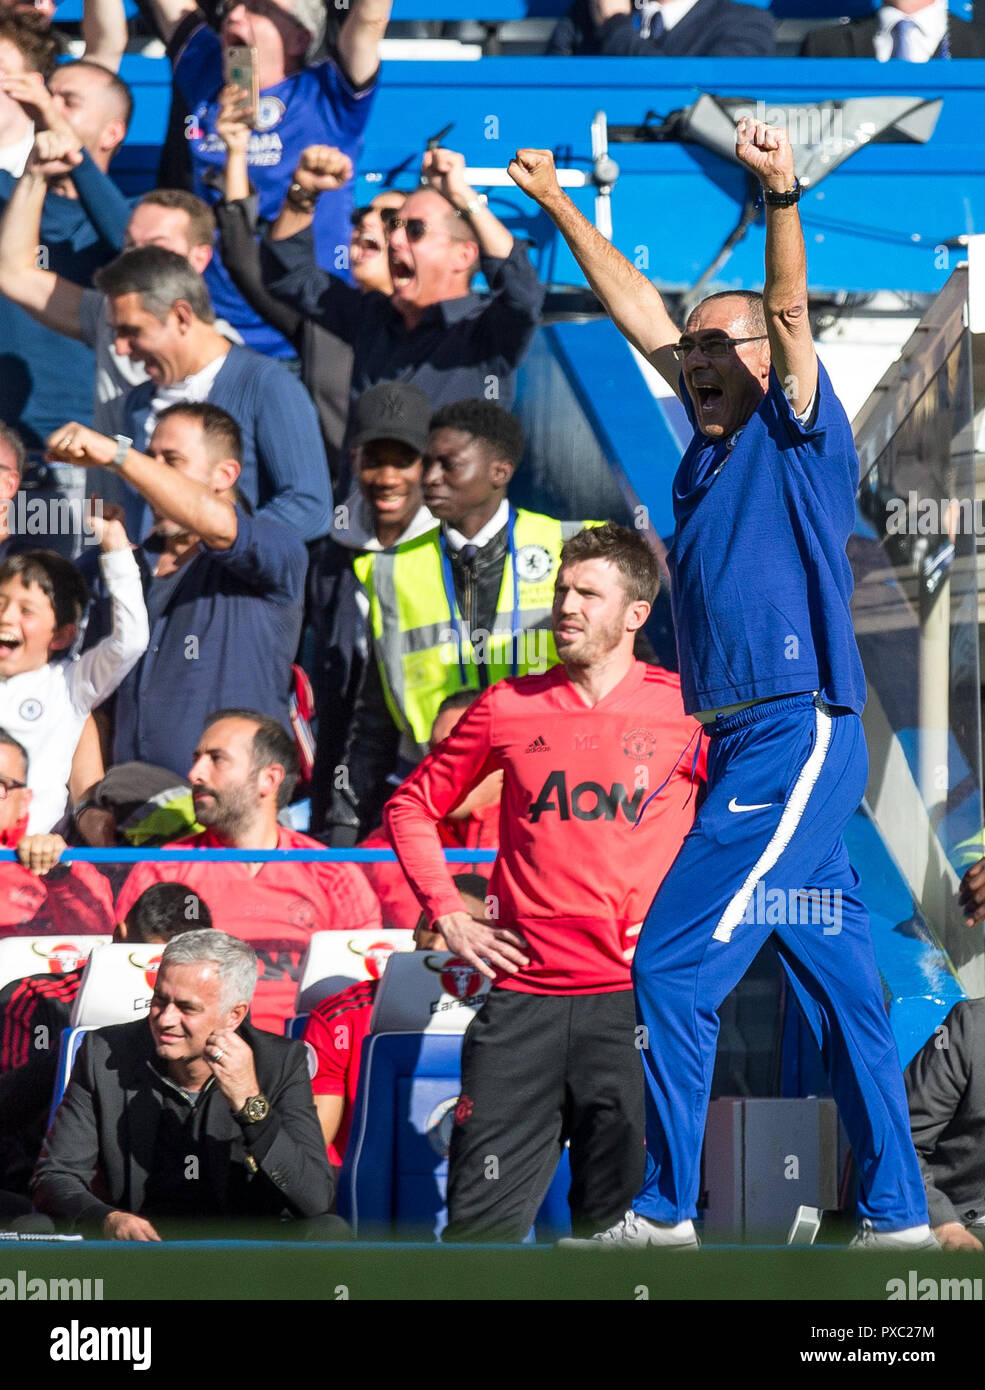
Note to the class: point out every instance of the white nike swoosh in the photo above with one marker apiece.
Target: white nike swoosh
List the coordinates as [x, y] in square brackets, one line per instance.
[734, 806]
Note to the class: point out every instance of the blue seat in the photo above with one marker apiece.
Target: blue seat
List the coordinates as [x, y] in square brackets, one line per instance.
[294, 1026]
[70, 1043]
[395, 1168]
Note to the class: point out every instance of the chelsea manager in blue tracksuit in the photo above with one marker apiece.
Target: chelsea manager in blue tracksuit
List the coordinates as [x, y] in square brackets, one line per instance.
[764, 501]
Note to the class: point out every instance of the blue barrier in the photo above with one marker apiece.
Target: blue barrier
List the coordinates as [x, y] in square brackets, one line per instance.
[248, 856]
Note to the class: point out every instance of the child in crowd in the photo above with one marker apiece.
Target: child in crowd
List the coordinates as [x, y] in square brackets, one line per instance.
[45, 696]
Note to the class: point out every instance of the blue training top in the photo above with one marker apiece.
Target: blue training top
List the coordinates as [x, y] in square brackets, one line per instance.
[761, 582]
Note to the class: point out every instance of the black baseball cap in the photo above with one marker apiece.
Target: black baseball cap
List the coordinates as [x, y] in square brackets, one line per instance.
[392, 410]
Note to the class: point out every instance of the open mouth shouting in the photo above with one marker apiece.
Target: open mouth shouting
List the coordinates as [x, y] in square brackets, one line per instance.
[402, 271]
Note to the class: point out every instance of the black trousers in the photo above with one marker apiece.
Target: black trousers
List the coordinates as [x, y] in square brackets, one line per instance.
[538, 1070]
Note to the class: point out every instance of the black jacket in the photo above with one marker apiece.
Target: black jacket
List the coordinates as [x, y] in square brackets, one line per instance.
[712, 29]
[945, 1087]
[856, 39]
[100, 1152]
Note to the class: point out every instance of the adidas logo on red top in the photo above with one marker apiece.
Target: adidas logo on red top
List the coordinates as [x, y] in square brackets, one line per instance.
[538, 745]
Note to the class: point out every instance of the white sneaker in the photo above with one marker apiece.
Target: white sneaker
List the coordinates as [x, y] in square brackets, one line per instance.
[913, 1238]
[635, 1232]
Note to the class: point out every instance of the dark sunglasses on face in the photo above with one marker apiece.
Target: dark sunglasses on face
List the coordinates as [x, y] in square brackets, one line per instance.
[415, 227]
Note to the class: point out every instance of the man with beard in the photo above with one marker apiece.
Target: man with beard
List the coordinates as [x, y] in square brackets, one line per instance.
[224, 588]
[595, 804]
[243, 772]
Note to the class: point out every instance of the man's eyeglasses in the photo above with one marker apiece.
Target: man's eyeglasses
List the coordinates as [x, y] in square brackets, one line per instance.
[415, 227]
[8, 785]
[712, 347]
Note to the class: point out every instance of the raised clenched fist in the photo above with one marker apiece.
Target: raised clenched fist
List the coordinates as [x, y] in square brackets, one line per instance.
[444, 171]
[765, 150]
[533, 171]
[323, 169]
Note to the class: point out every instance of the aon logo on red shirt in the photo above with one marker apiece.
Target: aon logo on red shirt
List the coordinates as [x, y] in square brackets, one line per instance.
[588, 800]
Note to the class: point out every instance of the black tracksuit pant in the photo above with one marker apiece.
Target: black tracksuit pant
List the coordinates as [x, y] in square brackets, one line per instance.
[538, 1069]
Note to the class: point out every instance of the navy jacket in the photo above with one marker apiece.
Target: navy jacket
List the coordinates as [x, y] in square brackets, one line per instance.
[712, 29]
[223, 633]
[285, 472]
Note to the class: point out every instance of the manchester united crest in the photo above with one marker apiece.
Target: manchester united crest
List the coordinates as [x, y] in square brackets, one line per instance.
[639, 743]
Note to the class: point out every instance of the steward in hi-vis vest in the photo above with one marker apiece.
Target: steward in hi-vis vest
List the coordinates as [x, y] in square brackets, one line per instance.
[461, 606]
[428, 644]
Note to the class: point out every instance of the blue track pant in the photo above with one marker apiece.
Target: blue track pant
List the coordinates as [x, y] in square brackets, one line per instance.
[784, 778]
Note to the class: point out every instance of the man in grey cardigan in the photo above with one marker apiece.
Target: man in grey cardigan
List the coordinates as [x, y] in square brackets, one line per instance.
[162, 316]
[188, 1115]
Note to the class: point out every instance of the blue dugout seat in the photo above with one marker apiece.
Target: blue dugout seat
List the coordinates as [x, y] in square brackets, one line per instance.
[71, 1041]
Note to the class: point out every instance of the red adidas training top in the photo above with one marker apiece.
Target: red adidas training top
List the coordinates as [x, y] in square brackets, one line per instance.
[573, 875]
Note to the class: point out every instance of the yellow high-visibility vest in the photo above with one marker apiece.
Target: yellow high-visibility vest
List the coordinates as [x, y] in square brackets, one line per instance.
[422, 649]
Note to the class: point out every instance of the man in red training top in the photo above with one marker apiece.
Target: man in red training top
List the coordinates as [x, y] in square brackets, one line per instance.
[552, 1054]
[244, 771]
[472, 824]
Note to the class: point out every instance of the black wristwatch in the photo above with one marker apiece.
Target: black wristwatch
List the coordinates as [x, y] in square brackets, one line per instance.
[257, 1108]
[783, 200]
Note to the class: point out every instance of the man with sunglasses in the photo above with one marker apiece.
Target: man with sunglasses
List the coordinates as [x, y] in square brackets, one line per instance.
[301, 100]
[764, 502]
[432, 332]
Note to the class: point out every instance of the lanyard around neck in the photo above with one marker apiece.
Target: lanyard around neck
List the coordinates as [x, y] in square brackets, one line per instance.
[448, 578]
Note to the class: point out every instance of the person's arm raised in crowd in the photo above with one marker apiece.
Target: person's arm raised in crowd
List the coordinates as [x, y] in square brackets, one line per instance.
[410, 819]
[359, 41]
[765, 151]
[195, 507]
[236, 219]
[444, 170]
[105, 32]
[233, 129]
[287, 252]
[103, 203]
[321, 169]
[631, 301]
[168, 14]
[50, 298]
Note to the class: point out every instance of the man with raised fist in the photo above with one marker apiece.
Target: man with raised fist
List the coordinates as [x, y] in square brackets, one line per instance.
[432, 332]
[769, 666]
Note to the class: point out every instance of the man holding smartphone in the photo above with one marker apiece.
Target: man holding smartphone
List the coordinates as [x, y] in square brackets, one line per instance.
[300, 102]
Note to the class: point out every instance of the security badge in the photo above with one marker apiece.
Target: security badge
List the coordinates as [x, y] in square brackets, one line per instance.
[533, 563]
